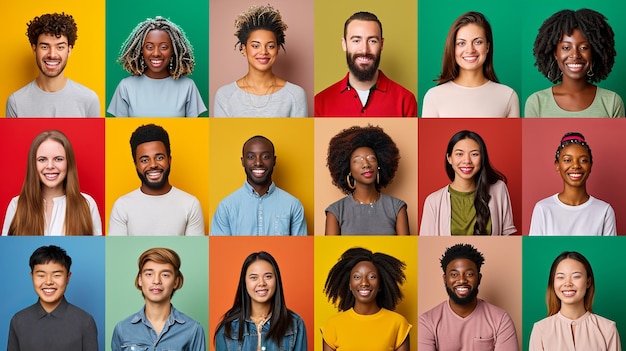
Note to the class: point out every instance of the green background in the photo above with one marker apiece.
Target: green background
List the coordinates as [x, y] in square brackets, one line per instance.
[603, 253]
[122, 17]
[123, 299]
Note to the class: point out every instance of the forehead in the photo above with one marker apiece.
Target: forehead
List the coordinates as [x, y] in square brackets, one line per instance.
[51, 39]
[362, 150]
[158, 36]
[51, 146]
[470, 31]
[158, 267]
[575, 149]
[151, 147]
[466, 144]
[363, 29]
[575, 36]
[49, 267]
[258, 145]
[461, 264]
[262, 35]
[259, 266]
[367, 266]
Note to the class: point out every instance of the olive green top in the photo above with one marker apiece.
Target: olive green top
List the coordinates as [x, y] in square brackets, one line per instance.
[463, 217]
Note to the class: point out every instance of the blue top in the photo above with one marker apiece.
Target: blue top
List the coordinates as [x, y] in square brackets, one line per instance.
[244, 212]
[180, 332]
[294, 339]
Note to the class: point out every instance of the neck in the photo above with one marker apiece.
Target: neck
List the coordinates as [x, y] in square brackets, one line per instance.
[157, 311]
[463, 310]
[51, 84]
[50, 193]
[260, 78]
[261, 189]
[574, 86]
[362, 85]
[573, 196]
[365, 194]
[154, 192]
[260, 311]
[49, 307]
[366, 309]
[573, 311]
[463, 185]
[473, 78]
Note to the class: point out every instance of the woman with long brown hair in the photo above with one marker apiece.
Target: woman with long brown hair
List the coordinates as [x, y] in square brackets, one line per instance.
[50, 202]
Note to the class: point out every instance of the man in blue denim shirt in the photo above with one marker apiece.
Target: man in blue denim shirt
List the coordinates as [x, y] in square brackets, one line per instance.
[158, 326]
[259, 207]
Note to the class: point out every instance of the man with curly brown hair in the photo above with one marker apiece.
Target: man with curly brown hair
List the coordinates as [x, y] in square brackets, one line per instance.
[51, 94]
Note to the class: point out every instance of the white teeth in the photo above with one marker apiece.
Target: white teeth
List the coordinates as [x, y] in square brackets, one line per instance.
[569, 293]
[258, 172]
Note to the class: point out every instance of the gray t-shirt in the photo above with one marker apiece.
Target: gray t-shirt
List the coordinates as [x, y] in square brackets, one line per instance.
[74, 100]
[378, 218]
[232, 101]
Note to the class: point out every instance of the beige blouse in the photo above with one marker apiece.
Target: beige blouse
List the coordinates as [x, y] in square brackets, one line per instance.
[592, 332]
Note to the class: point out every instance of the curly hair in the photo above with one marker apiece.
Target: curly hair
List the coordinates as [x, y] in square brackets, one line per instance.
[572, 138]
[131, 55]
[390, 272]
[343, 144]
[147, 133]
[259, 17]
[56, 24]
[593, 26]
[450, 69]
[462, 251]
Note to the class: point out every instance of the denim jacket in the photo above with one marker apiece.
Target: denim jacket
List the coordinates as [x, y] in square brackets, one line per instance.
[294, 339]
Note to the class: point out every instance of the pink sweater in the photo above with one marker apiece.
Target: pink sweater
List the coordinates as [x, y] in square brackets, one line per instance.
[591, 332]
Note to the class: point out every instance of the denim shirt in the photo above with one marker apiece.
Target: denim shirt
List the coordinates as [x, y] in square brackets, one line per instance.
[294, 339]
[180, 333]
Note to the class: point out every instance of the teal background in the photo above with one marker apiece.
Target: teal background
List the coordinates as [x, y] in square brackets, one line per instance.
[123, 299]
[434, 21]
[603, 253]
[84, 290]
[122, 17]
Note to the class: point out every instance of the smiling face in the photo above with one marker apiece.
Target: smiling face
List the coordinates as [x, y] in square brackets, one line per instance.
[50, 281]
[571, 282]
[261, 50]
[363, 45]
[51, 163]
[465, 159]
[153, 167]
[51, 54]
[364, 165]
[573, 55]
[471, 47]
[158, 282]
[258, 161]
[462, 280]
[574, 165]
[261, 282]
[157, 52]
[364, 283]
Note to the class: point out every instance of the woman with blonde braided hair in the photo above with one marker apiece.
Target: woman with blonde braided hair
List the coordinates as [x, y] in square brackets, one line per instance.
[260, 33]
[158, 56]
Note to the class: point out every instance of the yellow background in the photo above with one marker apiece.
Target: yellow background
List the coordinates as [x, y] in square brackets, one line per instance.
[86, 62]
[189, 142]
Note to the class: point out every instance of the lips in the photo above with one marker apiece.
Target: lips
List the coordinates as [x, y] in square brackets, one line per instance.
[156, 63]
[263, 60]
[154, 174]
[575, 176]
[262, 292]
[49, 291]
[575, 67]
[470, 59]
[462, 290]
[466, 170]
[51, 176]
[259, 172]
[365, 292]
[568, 293]
[368, 174]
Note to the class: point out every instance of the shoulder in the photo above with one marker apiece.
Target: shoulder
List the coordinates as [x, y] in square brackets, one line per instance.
[493, 86]
[491, 309]
[540, 95]
[434, 313]
[607, 93]
[499, 186]
[390, 199]
[295, 90]
[599, 203]
[438, 194]
[78, 312]
[285, 195]
[393, 86]
[226, 90]
[26, 89]
[339, 203]
[333, 89]
[81, 88]
[603, 323]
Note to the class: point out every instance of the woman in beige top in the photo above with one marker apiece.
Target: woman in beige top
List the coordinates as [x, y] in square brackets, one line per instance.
[570, 324]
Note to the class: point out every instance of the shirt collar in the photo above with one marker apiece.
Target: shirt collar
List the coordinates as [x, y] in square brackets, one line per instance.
[58, 312]
[381, 84]
[250, 190]
[174, 317]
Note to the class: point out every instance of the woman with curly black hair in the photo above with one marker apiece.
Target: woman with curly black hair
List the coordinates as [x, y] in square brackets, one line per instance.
[362, 160]
[365, 287]
[260, 33]
[476, 202]
[575, 49]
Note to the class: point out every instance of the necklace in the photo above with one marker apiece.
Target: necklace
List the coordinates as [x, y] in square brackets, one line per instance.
[249, 90]
[367, 203]
[259, 322]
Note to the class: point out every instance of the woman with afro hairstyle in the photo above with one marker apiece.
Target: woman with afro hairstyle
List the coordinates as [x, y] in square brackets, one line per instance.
[259, 319]
[365, 287]
[467, 75]
[158, 56]
[50, 202]
[575, 49]
[361, 161]
[260, 33]
[571, 324]
[476, 202]
[573, 211]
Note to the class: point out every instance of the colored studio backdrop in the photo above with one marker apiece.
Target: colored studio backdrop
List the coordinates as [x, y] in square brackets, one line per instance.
[121, 19]
[404, 185]
[17, 135]
[84, 66]
[189, 141]
[84, 290]
[399, 56]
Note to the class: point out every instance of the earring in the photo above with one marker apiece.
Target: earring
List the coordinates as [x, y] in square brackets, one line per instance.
[350, 185]
[378, 176]
[590, 71]
[171, 63]
[550, 72]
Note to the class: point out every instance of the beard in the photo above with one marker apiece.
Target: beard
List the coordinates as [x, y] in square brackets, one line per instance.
[54, 73]
[363, 74]
[462, 300]
[155, 185]
[265, 180]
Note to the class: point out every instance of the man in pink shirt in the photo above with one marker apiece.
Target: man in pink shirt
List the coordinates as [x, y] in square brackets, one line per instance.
[465, 322]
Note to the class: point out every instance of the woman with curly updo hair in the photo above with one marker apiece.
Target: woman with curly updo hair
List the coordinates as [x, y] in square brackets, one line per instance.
[362, 160]
[477, 201]
[260, 33]
[575, 49]
[159, 57]
[365, 287]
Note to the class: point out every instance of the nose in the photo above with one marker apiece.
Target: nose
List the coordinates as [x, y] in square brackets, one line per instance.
[156, 279]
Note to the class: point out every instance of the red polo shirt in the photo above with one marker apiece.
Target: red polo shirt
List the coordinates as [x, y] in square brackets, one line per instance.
[386, 99]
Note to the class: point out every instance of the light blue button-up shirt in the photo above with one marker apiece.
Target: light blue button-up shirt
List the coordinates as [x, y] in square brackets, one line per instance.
[180, 332]
[244, 212]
